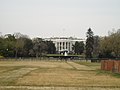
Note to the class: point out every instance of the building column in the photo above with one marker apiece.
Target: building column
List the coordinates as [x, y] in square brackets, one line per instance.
[69, 46]
[59, 45]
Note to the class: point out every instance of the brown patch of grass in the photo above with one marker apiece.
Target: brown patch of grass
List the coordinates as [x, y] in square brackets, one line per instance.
[63, 77]
[55, 74]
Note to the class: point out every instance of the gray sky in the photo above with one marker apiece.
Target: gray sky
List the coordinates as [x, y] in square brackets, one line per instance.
[47, 18]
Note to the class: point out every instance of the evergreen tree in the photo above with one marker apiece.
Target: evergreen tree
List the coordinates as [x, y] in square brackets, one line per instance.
[78, 47]
[51, 49]
[89, 43]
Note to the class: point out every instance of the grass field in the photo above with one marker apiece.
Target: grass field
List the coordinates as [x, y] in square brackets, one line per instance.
[55, 75]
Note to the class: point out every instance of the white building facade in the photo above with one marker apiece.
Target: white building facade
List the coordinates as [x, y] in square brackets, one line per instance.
[64, 43]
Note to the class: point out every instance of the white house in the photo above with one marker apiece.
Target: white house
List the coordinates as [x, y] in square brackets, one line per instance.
[64, 43]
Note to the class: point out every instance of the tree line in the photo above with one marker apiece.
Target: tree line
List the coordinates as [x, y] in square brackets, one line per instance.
[103, 47]
[19, 45]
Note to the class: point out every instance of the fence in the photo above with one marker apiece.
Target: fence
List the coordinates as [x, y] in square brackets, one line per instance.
[111, 65]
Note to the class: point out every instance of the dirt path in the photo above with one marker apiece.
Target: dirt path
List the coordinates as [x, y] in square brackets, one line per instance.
[78, 66]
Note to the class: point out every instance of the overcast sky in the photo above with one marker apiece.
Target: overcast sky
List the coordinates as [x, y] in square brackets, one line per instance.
[47, 18]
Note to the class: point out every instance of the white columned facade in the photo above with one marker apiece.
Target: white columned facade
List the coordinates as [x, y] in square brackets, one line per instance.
[64, 43]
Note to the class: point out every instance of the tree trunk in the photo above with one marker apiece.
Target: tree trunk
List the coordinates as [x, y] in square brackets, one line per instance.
[16, 52]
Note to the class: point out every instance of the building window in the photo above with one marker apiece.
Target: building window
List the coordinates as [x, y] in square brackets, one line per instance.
[66, 45]
[60, 43]
[63, 45]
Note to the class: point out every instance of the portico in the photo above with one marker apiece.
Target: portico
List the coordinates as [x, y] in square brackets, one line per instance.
[64, 43]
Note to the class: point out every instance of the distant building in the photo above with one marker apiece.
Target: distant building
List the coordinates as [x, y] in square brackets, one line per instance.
[64, 43]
